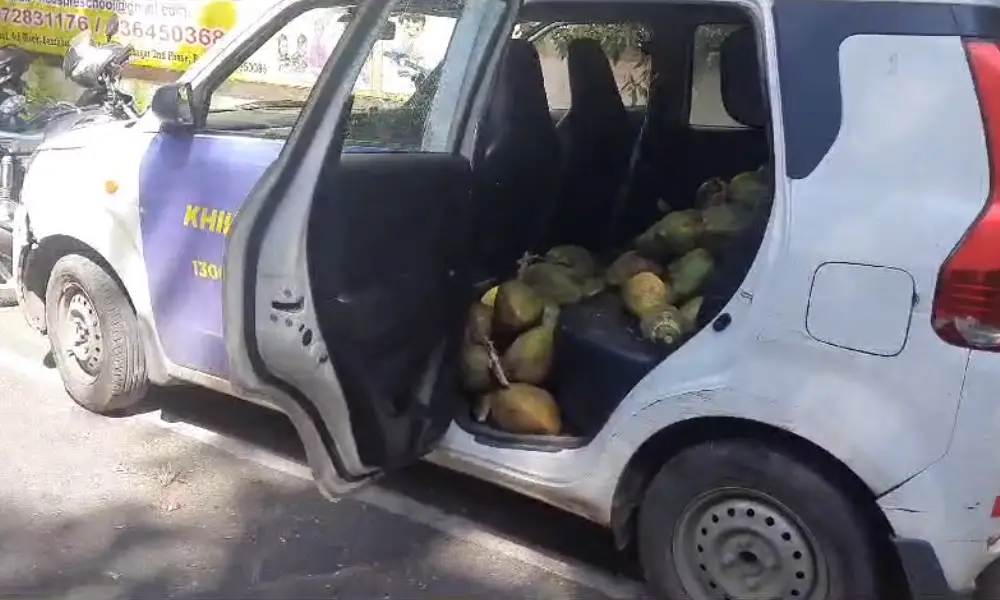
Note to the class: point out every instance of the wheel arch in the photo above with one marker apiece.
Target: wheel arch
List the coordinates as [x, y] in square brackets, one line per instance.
[36, 267]
[659, 448]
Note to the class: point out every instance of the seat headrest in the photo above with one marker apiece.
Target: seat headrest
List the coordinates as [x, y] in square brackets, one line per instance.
[519, 97]
[592, 85]
[741, 82]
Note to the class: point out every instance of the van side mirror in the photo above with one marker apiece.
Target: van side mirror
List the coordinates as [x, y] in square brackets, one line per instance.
[173, 104]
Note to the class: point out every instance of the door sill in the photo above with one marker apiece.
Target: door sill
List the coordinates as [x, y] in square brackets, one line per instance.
[487, 435]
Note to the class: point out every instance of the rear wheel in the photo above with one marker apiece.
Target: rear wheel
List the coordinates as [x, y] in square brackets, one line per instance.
[738, 520]
[95, 336]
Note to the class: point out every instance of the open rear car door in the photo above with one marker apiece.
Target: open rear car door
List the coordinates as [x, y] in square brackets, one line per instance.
[346, 278]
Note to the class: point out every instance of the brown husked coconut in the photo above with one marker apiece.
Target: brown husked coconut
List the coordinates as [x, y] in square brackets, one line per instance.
[645, 293]
[525, 409]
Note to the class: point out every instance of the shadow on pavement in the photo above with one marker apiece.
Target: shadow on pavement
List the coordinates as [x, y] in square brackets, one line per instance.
[508, 514]
[259, 543]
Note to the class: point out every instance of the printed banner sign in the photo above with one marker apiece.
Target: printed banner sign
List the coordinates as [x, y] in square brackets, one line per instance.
[172, 34]
[165, 34]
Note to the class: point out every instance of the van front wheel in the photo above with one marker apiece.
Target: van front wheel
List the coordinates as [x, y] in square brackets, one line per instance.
[737, 519]
[94, 335]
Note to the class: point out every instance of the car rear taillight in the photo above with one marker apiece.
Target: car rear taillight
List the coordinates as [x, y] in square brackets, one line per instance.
[966, 308]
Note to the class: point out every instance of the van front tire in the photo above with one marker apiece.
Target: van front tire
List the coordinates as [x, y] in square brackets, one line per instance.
[737, 519]
[94, 335]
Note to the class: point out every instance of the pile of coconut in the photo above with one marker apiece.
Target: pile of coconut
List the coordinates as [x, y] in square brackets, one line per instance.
[507, 354]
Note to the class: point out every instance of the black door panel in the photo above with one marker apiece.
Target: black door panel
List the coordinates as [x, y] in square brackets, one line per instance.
[387, 253]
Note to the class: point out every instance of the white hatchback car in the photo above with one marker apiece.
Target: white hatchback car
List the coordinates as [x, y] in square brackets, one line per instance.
[825, 431]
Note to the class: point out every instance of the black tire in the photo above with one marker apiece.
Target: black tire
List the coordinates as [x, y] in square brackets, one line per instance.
[116, 379]
[683, 554]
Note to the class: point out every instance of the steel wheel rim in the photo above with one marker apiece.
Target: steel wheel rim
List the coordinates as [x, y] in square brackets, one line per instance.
[736, 543]
[80, 339]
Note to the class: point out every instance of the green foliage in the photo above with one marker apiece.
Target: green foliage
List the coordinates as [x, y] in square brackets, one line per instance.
[44, 87]
[622, 40]
[616, 39]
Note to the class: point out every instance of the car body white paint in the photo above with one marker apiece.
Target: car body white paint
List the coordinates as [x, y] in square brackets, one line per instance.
[898, 188]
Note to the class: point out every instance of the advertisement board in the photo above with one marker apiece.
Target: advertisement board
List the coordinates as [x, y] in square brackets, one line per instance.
[168, 34]
[172, 34]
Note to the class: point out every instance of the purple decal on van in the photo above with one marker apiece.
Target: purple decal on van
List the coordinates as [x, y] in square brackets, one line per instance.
[191, 188]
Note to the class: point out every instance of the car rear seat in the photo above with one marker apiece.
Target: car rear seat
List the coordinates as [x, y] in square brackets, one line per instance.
[600, 354]
[597, 141]
[743, 98]
[517, 166]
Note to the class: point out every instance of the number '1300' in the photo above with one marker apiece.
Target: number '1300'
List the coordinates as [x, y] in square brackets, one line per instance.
[206, 270]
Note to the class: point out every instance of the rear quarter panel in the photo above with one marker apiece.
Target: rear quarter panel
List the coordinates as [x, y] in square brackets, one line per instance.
[904, 177]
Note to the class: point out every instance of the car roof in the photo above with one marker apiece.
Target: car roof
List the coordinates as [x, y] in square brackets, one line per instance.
[454, 7]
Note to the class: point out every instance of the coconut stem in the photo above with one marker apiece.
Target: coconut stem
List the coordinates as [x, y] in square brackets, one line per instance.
[527, 259]
[495, 364]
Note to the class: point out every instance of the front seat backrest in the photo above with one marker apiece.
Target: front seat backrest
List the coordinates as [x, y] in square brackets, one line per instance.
[597, 141]
[517, 170]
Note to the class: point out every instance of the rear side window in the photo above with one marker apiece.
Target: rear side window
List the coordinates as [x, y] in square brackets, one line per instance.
[707, 109]
[620, 44]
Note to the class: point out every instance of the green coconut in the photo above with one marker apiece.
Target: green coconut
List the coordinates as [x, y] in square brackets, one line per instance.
[477, 375]
[688, 273]
[674, 234]
[629, 265]
[529, 358]
[517, 307]
[577, 259]
[721, 224]
[748, 189]
[689, 311]
[710, 193]
[553, 283]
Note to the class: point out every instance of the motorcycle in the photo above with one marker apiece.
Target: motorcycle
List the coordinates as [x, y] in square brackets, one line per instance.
[94, 67]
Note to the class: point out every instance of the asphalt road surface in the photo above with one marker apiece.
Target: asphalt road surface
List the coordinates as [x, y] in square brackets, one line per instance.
[201, 496]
